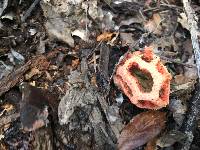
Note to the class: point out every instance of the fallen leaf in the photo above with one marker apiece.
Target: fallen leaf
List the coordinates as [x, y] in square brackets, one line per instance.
[170, 138]
[34, 107]
[153, 25]
[191, 72]
[151, 145]
[165, 44]
[15, 57]
[181, 79]
[178, 107]
[3, 146]
[80, 33]
[3, 6]
[9, 16]
[141, 129]
[8, 107]
[127, 39]
[1, 136]
[183, 82]
[183, 21]
[106, 36]
[5, 69]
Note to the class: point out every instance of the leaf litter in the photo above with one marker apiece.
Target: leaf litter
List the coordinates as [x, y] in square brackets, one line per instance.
[71, 48]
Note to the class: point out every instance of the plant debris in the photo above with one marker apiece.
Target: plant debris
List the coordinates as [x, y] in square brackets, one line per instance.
[77, 74]
[141, 129]
[34, 107]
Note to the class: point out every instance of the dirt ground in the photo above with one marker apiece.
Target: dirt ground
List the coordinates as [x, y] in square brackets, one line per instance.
[59, 61]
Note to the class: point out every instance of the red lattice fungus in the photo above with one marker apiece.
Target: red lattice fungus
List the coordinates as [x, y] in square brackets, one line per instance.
[143, 79]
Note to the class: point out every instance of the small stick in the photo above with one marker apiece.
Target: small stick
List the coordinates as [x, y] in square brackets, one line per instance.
[177, 62]
[29, 11]
[192, 22]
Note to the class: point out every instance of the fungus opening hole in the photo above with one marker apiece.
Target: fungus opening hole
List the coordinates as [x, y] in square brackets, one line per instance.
[144, 78]
[161, 93]
[146, 104]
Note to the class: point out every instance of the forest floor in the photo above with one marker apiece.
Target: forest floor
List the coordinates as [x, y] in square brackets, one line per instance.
[58, 59]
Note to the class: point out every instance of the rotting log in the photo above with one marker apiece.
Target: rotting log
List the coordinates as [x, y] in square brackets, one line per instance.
[40, 62]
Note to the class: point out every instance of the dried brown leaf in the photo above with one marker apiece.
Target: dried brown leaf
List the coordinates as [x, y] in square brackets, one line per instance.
[106, 36]
[181, 79]
[34, 106]
[151, 145]
[141, 129]
[153, 25]
[182, 82]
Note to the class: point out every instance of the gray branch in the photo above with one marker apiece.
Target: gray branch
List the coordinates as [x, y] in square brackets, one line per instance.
[192, 22]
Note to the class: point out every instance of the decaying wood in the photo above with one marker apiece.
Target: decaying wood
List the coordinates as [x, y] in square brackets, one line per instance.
[12, 79]
[85, 97]
[193, 110]
[39, 62]
[103, 70]
[192, 22]
[84, 101]
[104, 59]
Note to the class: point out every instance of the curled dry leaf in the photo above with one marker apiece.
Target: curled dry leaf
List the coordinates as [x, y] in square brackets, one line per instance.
[106, 36]
[141, 129]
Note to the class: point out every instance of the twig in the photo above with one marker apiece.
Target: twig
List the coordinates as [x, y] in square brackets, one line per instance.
[97, 46]
[192, 22]
[28, 12]
[193, 110]
[177, 62]
[86, 25]
[171, 6]
[95, 62]
[114, 10]
[189, 123]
